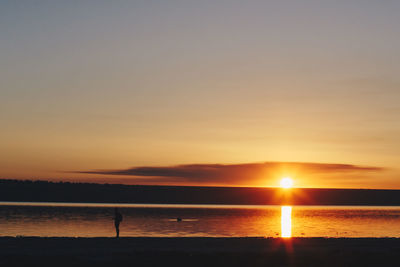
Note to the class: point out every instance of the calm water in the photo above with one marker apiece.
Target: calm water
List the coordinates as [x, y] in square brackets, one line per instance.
[90, 220]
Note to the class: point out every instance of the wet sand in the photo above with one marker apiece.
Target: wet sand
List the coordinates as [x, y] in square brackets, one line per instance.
[198, 251]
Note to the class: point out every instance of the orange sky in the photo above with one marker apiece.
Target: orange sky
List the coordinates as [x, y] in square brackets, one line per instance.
[94, 86]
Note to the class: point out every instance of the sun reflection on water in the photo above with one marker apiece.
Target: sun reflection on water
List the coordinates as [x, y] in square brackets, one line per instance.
[286, 221]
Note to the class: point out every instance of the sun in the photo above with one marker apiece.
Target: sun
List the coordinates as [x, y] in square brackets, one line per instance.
[286, 182]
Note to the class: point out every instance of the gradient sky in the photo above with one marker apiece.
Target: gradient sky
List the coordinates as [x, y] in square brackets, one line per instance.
[116, 85]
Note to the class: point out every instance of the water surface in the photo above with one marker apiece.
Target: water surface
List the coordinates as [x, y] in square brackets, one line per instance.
[93, 220]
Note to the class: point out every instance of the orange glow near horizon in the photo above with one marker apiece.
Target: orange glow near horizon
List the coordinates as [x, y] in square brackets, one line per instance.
[284, 175]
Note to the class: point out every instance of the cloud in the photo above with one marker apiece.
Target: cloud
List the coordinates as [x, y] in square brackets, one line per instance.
[246, 173]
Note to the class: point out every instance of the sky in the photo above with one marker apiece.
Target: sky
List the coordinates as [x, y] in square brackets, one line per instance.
[221, 93]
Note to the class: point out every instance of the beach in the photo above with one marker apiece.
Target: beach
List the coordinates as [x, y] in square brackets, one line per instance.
[198, 251]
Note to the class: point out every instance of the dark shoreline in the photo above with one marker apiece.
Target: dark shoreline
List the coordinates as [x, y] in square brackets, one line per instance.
[198, 251]
[41, 191]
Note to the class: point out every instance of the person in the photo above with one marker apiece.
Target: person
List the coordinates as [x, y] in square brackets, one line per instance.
[117, 221]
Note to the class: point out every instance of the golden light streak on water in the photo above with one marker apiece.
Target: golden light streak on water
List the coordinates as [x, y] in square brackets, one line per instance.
[286, 221]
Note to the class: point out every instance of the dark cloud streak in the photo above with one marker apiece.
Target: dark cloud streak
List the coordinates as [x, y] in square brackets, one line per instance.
[233, 172]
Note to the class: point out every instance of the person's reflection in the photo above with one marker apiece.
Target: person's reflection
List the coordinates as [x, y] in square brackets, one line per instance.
[286, 221]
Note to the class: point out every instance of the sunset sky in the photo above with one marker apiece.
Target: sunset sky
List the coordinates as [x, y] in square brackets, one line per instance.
[226, 93]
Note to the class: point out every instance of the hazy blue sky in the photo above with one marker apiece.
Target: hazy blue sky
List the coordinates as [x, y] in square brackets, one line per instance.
[88, 85]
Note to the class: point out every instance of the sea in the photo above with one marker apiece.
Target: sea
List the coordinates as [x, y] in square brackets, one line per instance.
[21, 219]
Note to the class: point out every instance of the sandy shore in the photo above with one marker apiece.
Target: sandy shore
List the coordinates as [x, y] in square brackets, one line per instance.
[198, 251]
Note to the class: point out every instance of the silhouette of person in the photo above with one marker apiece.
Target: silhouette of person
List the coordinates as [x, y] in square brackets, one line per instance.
[117, 221]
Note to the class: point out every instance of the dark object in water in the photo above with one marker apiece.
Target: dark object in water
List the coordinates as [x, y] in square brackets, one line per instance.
[117, 221]
[178, 219]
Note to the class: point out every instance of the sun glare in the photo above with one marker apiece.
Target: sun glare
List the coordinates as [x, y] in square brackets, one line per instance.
[286, 182]
[286, 221]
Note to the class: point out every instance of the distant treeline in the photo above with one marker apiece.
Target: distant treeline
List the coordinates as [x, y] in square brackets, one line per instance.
[42, 191]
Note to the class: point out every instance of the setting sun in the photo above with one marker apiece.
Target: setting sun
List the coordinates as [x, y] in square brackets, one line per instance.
[286, 182]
